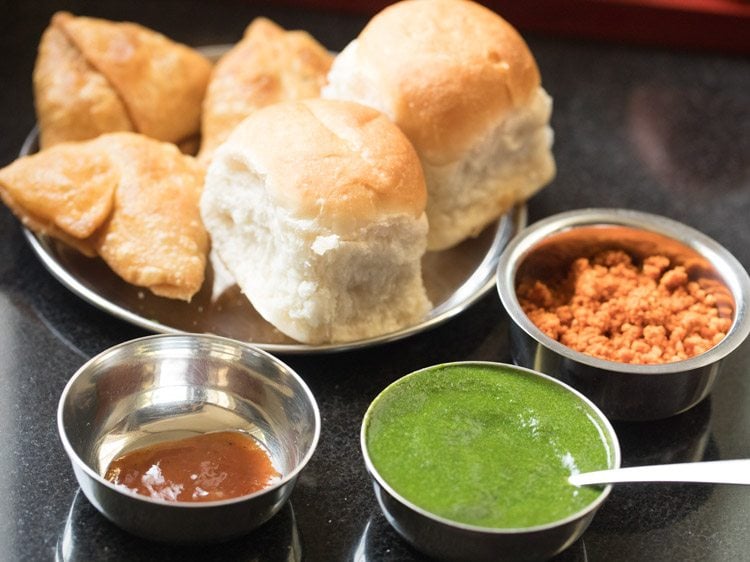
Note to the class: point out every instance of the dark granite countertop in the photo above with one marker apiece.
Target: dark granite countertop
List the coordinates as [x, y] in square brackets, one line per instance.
[660, 131]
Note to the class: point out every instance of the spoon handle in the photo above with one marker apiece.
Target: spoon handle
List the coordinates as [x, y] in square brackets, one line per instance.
[714, 472]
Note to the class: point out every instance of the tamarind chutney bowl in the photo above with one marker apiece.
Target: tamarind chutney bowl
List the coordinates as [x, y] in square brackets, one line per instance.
[164, 391]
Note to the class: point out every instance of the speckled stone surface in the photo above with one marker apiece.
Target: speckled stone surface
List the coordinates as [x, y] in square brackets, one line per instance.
[647, 129]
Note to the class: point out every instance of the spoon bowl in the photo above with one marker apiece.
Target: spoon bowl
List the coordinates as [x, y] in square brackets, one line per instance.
[711, 472]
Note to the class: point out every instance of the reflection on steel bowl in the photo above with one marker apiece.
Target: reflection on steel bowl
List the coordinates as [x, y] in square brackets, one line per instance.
[84, 538]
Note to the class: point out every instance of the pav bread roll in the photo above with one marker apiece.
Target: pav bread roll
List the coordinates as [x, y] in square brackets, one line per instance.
[316, 208]
[94, 76]
[465, 89]
[268, 65]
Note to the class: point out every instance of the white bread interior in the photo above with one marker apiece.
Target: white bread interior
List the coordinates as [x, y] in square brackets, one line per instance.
[312, 278]
[465, 89]
[511, 163]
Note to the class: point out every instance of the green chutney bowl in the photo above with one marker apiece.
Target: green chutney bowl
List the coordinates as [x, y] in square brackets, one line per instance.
[470, 460]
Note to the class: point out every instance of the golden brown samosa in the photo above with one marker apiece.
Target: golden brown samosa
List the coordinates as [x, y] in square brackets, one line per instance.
[66, 192]
[268, 65]
[123, 196]
[154, 237]
[94, 76]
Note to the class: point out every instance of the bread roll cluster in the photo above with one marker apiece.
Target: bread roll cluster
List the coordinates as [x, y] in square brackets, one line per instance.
[326, 179]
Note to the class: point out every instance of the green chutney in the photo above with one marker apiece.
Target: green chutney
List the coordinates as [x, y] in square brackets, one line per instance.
[486, 445]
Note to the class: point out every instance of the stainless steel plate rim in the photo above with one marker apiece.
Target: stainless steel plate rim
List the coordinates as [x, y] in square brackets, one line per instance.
[479, 283]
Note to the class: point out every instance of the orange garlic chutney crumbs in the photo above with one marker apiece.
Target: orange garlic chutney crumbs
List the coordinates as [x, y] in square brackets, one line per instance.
[609, 308]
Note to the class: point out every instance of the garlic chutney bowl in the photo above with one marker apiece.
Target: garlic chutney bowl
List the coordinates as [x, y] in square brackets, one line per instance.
[626, 390]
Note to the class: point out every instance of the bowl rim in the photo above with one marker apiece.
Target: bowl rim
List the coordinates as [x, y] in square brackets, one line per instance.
[211, 340]
[611, 435]
[733, 274]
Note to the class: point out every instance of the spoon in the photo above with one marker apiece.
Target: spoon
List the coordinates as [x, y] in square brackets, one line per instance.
[712, 472]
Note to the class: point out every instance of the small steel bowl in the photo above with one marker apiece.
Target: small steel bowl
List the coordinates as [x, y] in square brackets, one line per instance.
[623, 391]
[167, 387]
[449, 540]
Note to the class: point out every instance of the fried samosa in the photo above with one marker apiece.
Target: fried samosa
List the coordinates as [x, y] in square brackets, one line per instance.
[268, 65]
[155, 237]
[94, 76]
[66, 192]
[123, 196]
